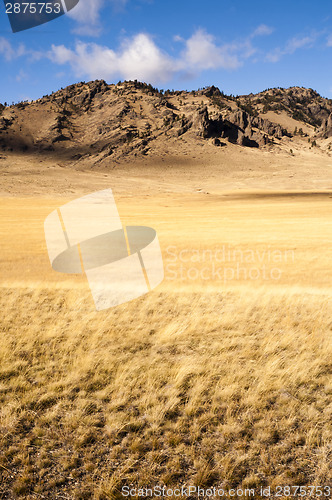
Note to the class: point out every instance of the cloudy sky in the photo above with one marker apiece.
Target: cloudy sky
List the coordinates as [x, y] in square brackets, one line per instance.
[241, 47]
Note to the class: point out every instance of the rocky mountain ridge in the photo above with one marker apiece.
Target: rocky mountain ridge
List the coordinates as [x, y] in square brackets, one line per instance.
[97, 123]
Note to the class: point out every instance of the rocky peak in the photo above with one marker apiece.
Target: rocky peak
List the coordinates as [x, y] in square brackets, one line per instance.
[96, 121]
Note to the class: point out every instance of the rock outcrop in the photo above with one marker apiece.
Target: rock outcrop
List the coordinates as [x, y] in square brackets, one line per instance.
[325, 130]
[95, 121]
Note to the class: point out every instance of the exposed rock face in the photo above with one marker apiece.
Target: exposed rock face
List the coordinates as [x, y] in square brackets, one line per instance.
[304, 105]
[240, 118]
[269, 128]
[237, 127]
[212, 92]
[96, 122]
[325, 130]
[203, 125]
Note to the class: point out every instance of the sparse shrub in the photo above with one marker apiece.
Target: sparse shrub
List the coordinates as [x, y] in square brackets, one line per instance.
[248, 108]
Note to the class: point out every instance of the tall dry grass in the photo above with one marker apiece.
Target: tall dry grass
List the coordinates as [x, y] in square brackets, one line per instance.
[199, 382]
[213, 388]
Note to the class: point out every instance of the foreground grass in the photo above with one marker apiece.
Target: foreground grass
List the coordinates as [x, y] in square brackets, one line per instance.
[230, 389]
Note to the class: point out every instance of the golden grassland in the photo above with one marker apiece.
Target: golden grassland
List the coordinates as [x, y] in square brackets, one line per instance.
[204, 381]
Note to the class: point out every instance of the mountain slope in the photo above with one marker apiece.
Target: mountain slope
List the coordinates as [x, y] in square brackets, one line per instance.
[95, 123]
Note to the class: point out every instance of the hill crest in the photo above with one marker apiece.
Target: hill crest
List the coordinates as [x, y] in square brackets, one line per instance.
[96, 123]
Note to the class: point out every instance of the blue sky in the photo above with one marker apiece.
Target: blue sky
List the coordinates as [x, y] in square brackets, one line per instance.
[240, 47]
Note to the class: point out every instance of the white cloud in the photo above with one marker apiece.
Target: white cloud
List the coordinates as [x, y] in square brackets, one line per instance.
[274, 55]
[87, 15]
[87, 11]
[22, 75]
[298, 43]
[262, 30]
[244, 49]
[329, 41]
[202, 52]
[137, 58]
[140, 58]
[291, 46]
[60, 54]
[9, 52]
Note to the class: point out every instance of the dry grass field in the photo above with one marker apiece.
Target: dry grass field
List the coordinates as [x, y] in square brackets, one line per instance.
[219, 377]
